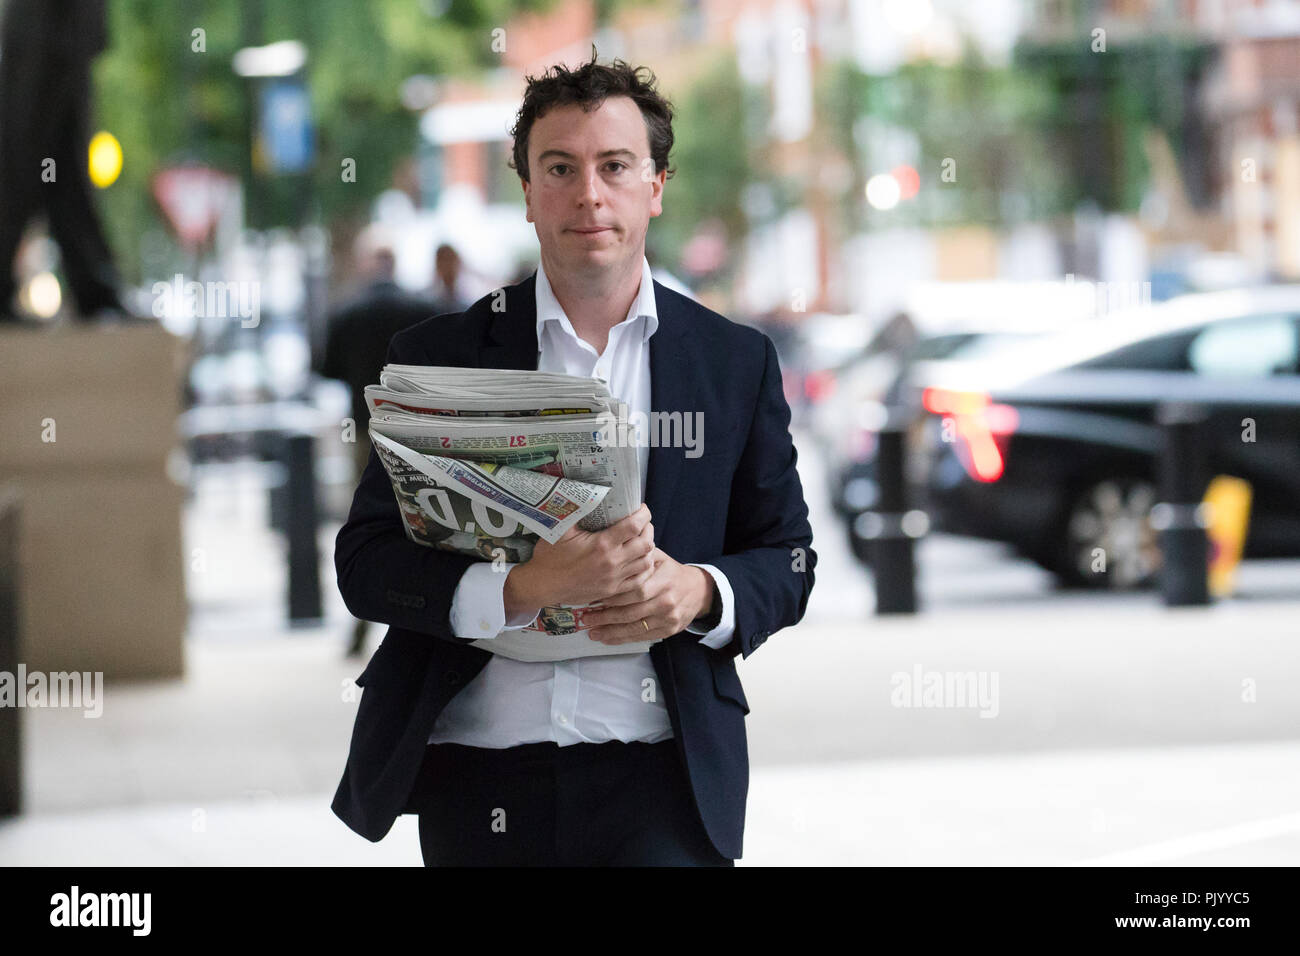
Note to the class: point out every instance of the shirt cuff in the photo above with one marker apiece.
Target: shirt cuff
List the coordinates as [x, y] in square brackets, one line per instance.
[721, 635]
[478, 608]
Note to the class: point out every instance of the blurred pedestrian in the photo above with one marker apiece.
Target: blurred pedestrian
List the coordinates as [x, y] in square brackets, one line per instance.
[45, 99]
[448, 288]
[357, 343]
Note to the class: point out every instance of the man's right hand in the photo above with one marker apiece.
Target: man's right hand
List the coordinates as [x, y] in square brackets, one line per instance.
[583, 566]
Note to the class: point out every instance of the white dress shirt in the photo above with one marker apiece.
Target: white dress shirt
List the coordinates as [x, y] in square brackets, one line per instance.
[587, 699]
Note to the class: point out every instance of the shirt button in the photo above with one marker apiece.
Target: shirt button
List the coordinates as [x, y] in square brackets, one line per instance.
[484, 626]
[561, 718]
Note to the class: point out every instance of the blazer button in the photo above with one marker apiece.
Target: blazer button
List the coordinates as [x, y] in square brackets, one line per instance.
[453, 677]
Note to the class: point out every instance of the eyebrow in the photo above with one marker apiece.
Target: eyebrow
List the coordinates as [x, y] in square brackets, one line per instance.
[605, 155]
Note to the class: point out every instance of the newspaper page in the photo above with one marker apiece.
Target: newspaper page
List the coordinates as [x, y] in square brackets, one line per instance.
[564, 446]
[488, 474]
[501, 499]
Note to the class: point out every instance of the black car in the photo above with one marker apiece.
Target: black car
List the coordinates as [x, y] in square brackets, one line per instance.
[1053, 447]
[851, 456]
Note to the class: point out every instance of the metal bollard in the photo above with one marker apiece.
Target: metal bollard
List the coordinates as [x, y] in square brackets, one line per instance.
[304, 556]
[891, 528]
[1180, 517]
[11, 743]
[277, 451]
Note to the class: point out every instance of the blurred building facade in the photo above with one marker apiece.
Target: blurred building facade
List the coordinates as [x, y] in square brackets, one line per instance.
[1219, 205]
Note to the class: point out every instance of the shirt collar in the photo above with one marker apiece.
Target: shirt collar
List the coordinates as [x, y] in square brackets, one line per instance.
[643, 306]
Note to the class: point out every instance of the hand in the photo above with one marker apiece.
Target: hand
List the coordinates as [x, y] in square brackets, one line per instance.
[667, 601]
[583, 566]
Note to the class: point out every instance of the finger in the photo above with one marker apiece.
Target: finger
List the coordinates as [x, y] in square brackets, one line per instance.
[631, 526]
[638, 577]
[617, 615]
[634, 522]
[626, 633]
[638, 547]
[641, 587]
[633, 577]
[636, 593]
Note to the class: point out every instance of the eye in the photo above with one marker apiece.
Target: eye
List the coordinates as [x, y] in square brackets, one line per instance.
[617, 163]
[559, 166]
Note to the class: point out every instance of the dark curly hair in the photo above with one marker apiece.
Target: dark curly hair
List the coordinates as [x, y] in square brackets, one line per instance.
[588, 86]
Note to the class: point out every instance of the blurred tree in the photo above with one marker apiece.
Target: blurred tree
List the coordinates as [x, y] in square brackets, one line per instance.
[1104, 103]
[166, 89]
[983, 123]
[1028, 142]
[712, 157]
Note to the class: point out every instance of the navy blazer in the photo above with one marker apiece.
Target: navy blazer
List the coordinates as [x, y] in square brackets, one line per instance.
[738, 506]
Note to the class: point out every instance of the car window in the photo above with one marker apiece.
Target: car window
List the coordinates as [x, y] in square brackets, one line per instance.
[1163, 353]
[937, 347]
[988, 343]
[1254, 347]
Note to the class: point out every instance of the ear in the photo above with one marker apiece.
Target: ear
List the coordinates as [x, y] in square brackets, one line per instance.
[657, 196]
[528, 200]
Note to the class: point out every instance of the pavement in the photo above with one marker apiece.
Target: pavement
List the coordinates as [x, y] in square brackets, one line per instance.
[1130, 740]
[1004, 725]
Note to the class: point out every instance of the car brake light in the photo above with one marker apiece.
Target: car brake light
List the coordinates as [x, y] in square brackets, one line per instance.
[818, 385]
[982, 427]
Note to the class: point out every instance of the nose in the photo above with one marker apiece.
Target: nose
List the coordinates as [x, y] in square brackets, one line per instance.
[590, 194]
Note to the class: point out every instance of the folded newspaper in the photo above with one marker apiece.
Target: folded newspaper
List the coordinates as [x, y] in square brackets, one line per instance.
[486, 461]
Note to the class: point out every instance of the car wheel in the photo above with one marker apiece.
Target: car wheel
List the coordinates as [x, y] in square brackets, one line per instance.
[1109, 541]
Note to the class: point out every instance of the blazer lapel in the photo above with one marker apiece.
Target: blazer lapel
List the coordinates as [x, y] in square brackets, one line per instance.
[511, 339]
[672, 389]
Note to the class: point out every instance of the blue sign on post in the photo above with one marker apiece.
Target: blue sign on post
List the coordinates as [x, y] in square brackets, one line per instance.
[287, 135]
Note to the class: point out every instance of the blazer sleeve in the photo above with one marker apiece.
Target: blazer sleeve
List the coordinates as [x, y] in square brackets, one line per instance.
[767, 552]
[383, 575]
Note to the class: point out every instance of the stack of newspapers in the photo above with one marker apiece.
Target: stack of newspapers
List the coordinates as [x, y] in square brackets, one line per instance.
[486, 461]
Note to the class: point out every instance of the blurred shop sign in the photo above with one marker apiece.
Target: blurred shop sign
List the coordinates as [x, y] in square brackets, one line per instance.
[286, 137]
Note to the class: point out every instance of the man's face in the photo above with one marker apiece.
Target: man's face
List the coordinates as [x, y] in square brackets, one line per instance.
[592, 171]
[447, 265]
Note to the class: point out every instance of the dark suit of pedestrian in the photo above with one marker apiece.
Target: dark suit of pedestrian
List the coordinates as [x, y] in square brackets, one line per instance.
[358, 336]
[738, 506]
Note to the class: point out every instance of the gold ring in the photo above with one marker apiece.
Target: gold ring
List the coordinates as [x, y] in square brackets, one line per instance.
[644, 624]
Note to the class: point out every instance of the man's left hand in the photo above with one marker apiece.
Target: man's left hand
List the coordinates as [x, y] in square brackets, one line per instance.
[668, 600]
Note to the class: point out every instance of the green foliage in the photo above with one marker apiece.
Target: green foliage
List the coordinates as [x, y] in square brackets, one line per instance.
[1061, 126]
[1104, 102]
[166, 101]
[986, 119]
[711, 157]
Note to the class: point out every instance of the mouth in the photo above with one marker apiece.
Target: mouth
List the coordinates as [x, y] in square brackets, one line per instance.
[591, 232]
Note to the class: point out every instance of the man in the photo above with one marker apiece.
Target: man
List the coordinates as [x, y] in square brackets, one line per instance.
[633, 759]
[359, 332]
[446, 288]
